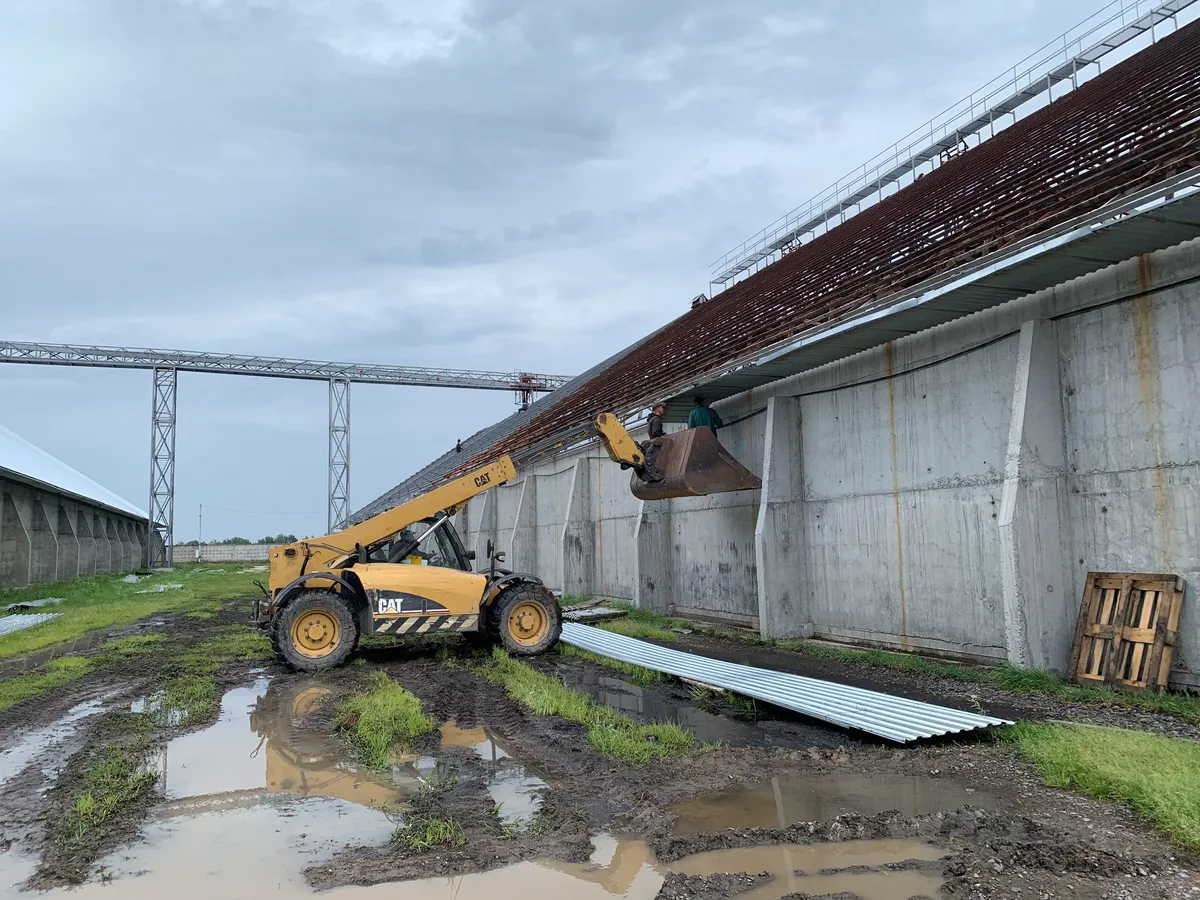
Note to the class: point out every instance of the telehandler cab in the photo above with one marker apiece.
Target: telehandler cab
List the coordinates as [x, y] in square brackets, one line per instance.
[406, 572]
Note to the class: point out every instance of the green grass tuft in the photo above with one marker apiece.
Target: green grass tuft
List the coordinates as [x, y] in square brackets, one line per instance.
[423, 833]
[52, 676]
[573, 600]
[611, 732]
[638, 675]
[382, 717]
[1157, 776]
[641, 624]
[118, 776]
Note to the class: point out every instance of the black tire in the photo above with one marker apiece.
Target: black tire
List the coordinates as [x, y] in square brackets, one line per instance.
[328, 606]
[536, 600]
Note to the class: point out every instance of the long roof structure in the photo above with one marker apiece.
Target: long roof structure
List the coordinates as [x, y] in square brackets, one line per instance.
[25, 462]
[1133, 127]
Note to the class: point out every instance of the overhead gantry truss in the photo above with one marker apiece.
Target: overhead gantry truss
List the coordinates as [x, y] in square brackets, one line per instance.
[166, 364]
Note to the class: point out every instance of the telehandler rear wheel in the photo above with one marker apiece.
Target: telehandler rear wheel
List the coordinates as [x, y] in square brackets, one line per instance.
[315, 631]
[526, 619]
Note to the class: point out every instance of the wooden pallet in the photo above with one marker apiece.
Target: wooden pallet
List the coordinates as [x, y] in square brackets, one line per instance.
[1127, 629]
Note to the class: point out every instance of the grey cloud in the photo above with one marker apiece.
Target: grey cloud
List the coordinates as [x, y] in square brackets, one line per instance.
[492, 184]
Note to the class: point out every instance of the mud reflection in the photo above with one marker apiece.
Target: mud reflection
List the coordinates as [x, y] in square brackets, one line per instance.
[794, 869]
[14, 759]
[785, 801]
[516, 791]
[646, 705]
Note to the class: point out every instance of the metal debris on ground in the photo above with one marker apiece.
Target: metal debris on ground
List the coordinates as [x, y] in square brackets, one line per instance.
[884, 715]
[9, 624]
[33, 604]
[131, 579]
[160, 588]
[592, 614]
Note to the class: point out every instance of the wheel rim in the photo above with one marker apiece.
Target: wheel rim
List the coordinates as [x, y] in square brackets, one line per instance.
[528, 623]
[316, 633]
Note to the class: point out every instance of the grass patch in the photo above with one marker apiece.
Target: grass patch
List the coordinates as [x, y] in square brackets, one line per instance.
[106, 600]
[611, 732]
[421, 833]
[134, 645]
[382, 717]
[641, 624]
[574, 600]
[1157, 776]
[54, 675]
[118, 777]
[635, 674]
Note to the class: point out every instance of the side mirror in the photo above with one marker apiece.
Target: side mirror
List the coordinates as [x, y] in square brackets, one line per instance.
[471, 554]
[491, 548]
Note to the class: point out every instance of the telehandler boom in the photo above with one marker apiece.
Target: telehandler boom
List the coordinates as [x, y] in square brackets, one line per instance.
[406, 572]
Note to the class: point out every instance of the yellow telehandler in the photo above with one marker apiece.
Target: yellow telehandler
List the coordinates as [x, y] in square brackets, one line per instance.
[406, 572]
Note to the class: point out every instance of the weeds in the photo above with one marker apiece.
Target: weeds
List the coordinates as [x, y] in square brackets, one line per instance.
[54, 675]
[1157, 776]
[118, 777]
[609, 731]
[635, 674]
[383, 716]
[421, 833]
[641, 624]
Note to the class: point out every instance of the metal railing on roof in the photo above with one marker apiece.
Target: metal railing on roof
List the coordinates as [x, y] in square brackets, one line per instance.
[1064, 61]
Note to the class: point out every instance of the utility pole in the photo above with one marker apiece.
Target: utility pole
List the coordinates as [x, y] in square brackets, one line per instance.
[200, 533]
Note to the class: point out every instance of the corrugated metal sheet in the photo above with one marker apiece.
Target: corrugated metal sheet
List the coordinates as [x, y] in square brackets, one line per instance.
[9, 624]
[894, 718]
[25, 462]
[1127, 130]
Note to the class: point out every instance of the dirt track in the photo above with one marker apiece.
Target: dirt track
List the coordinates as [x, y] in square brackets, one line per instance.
[998, 831]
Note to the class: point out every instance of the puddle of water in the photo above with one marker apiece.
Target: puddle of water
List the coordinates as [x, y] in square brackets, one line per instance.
[796, 867]
[517, 792]
[14, 759]
[784, 801]
[647, 706]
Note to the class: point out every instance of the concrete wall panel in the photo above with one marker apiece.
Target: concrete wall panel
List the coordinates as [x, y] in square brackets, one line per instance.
[87, 544]
[68, 543]
[14, 543]
[43, 547]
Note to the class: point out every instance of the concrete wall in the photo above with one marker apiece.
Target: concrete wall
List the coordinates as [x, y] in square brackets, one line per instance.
[946, 493]
[46, 537]
[221, 553]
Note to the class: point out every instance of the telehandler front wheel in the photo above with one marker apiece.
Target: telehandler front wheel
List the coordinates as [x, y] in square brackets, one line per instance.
[526, 620]
[315, 631]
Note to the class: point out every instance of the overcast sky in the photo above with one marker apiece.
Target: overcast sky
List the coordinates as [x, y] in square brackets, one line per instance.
[501, 185]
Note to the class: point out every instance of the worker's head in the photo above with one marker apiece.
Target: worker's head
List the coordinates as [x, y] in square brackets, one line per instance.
[659, 409]
[698, 400]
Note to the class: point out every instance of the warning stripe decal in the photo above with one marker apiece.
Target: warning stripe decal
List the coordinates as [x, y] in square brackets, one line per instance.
[424, 624]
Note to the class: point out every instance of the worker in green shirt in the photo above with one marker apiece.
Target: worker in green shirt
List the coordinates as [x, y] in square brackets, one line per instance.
[702, 416]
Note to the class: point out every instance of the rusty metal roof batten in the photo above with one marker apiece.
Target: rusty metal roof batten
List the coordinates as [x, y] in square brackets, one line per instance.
[894, 718]
[1125, 131]
[1064, 61]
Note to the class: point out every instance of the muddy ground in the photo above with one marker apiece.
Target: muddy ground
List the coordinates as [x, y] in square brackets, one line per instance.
[965, 816]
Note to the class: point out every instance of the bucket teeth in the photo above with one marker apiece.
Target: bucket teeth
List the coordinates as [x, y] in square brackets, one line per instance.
[693, 464]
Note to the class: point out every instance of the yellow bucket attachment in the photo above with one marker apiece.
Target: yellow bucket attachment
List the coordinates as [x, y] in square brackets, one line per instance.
[692, 464]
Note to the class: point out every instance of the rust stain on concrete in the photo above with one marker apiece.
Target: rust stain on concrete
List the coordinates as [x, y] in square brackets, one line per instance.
[1150, 394]
[890, 351]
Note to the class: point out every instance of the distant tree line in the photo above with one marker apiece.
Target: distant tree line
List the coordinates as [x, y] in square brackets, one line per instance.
[241, 541]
